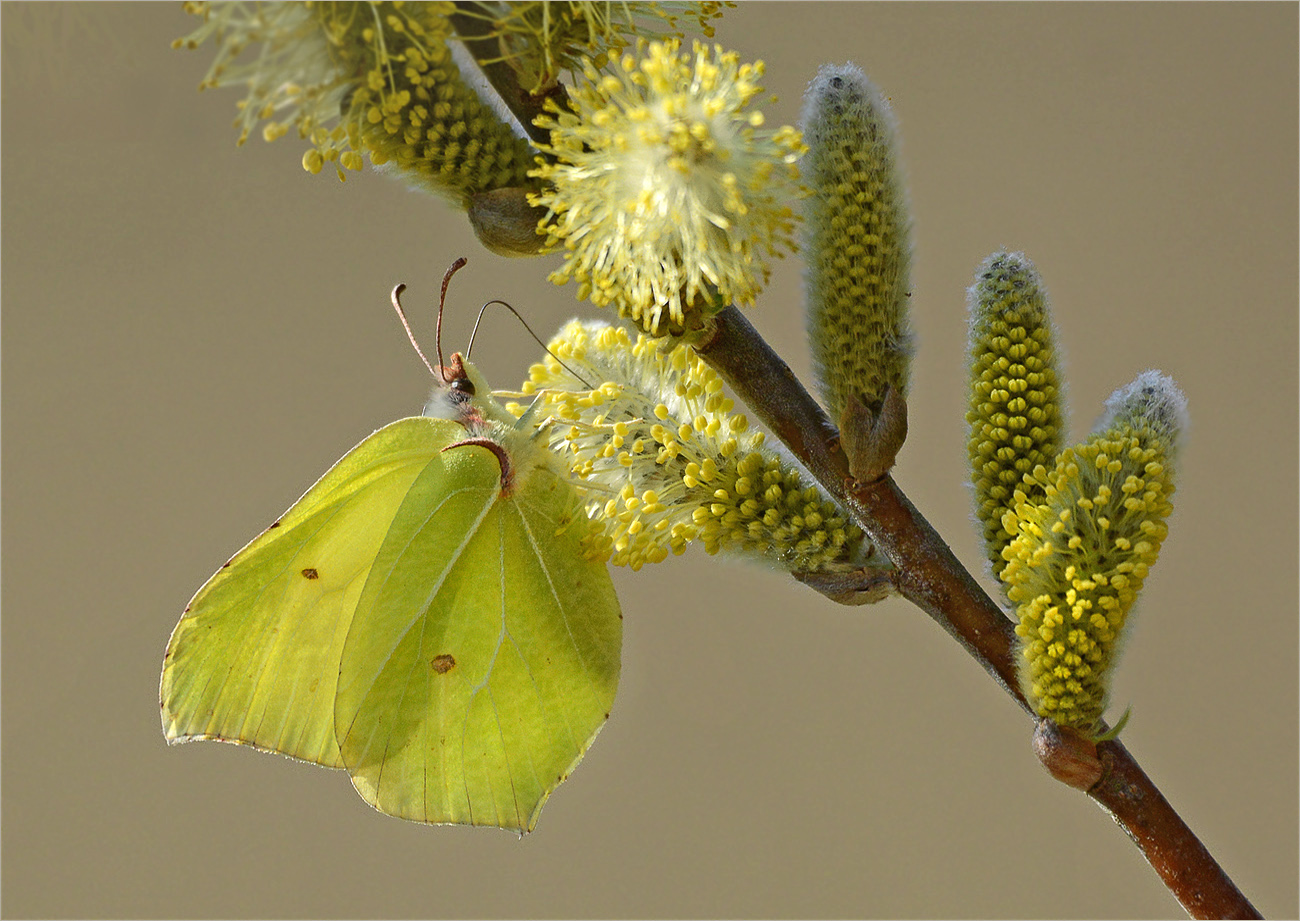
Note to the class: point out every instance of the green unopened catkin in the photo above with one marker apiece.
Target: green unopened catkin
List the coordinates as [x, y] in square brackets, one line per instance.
[856, 241]
[1016, 415]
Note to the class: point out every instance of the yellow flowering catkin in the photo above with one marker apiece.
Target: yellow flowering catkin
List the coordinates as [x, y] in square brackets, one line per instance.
[666, 461]
[415, 111]
[541, 40]
[668, 195]
[856, 241]
[365, 77]
[1082, 549]
[1015, 416]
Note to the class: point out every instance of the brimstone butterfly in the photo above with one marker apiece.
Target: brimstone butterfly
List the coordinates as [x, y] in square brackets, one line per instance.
[424, 617]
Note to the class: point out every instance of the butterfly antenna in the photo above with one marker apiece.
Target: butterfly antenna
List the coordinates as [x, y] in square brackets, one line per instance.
[397, 305]
[479, 319]
[442, 302]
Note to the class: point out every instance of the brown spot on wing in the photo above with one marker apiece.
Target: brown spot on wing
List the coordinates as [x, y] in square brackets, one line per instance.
[310, 573]
[443, 663]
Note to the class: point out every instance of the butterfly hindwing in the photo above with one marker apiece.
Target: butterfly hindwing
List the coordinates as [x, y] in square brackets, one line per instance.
[468, 690]
[577, 633]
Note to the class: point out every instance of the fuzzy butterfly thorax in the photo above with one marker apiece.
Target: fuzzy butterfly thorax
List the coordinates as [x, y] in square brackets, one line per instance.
[462, 395]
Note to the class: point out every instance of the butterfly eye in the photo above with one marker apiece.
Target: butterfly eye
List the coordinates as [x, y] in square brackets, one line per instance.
[463, 385]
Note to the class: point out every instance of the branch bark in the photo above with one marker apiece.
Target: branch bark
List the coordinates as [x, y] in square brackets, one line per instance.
[475, 30]
[931, 577]
[928, 574]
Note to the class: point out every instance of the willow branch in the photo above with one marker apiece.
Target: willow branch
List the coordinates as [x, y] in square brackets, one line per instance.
[931, 577]
[475, 30]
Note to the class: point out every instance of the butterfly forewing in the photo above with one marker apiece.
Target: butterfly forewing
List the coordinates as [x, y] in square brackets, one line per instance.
[255, 657]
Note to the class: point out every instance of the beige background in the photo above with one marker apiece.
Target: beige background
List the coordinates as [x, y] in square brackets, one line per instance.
[194, 332]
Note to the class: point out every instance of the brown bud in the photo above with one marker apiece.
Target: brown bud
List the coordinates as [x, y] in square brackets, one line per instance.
[505, 223]
[1068, 755]
[872, 438]
[859, 586]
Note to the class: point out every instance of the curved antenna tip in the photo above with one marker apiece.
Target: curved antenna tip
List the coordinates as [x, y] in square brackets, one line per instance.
[396, 297]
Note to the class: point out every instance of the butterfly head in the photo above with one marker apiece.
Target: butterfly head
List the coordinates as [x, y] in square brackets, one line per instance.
[460, 394]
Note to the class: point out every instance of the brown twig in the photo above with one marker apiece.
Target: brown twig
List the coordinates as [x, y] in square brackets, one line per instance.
[475, 30]
[1173, 850]
[932, 578]
[928, 574]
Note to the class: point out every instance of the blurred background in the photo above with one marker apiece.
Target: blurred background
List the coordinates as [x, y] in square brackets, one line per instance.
[193, 332]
